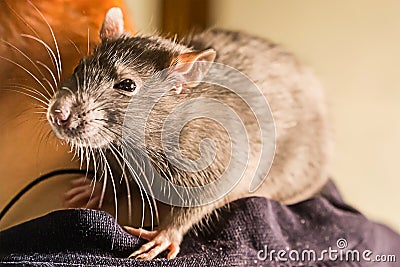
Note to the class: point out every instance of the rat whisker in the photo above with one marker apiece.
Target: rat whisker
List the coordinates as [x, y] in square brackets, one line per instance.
[143, 195]
[88, 41]
[52, 34]
[47, 47]
[29, 27]
[115, 195]
[26, 94]
[124, 176]
[50, 72]
[26, 70]
[81, 153]
[84, 75]
[143, 173]
[29, 59]
[104, 176]
[28, 89]
[73, 149]
[93, 182]
[114, 150]
[51, 86]
[75, 46]
[96, 100]
[87, 155]
[39, 107]
[67, 89]
[94, 168]
[106, 107]
[163, 169]
[78, 87]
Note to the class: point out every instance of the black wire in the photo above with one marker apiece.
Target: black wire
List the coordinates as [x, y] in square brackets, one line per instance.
[37, 181]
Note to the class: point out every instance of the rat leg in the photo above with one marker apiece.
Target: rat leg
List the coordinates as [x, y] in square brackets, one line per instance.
[159, 241]
[171, 232]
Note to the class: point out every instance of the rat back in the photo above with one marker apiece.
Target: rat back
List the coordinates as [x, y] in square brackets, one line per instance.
[297, 103]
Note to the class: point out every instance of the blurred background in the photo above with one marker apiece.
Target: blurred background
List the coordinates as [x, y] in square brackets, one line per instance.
[353, 47]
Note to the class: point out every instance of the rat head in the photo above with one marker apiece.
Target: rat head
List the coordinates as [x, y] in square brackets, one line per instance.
[89, 108]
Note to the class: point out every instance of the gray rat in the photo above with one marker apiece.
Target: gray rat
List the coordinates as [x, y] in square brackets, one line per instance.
[89, 109]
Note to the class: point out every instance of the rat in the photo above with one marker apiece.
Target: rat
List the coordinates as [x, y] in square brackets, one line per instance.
[89, 109]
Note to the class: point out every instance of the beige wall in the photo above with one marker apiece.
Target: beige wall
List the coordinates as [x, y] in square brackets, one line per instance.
[354, 47]
[145, 14]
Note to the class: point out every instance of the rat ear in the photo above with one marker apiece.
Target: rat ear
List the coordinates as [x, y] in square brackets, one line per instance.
[185, 69]
[113, 24]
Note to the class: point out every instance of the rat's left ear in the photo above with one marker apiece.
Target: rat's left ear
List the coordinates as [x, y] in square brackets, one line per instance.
[190, 68]
[113, 25]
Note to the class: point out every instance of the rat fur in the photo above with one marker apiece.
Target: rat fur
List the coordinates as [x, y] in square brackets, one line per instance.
[89, 109]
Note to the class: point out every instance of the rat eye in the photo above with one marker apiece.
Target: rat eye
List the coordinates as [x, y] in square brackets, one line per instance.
[126, 85]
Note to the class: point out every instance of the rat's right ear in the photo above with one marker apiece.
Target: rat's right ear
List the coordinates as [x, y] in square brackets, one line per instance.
[113, 25]
[190, 68]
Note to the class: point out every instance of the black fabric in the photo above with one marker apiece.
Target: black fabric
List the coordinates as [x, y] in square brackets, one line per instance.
[239, 236]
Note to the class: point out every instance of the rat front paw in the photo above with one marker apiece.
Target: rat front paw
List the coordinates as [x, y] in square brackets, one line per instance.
[159, 241]
[84, 193]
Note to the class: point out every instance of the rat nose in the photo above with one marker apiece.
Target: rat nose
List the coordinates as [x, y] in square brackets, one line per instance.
[60, 114]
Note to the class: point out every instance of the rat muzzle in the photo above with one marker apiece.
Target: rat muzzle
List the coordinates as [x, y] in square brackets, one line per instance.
[59, 114]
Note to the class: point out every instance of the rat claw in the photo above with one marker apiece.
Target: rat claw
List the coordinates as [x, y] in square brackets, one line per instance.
[140, 252]
[159, 241]
[174, 250]
[151, 254]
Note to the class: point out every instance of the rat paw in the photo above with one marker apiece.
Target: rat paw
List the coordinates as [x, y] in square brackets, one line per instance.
[83, 195]
[159, 241]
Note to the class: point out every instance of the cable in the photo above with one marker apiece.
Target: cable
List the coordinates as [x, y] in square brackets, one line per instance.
[37, 181]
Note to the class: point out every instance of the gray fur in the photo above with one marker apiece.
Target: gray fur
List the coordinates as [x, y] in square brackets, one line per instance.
[295, 96]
